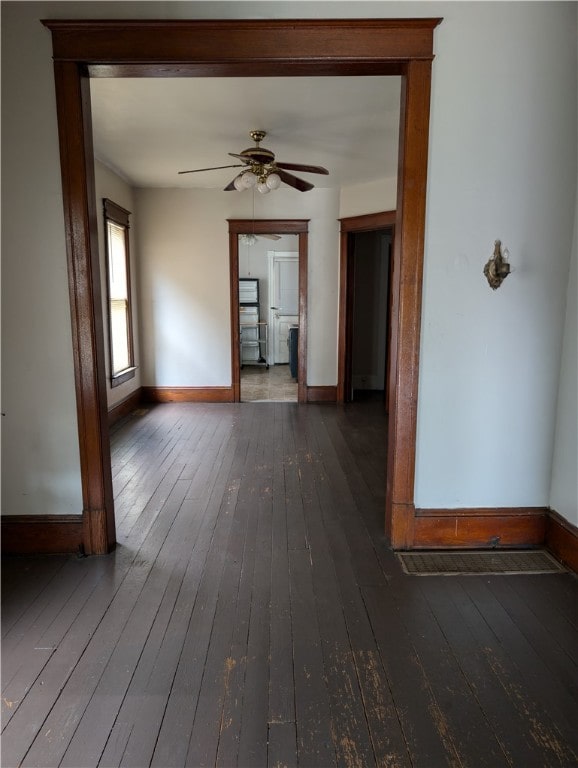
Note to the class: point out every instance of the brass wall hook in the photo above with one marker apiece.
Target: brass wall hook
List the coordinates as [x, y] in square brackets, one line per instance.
[497, 268]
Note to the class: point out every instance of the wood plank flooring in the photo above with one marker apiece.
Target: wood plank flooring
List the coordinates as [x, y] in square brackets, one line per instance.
[252, 615]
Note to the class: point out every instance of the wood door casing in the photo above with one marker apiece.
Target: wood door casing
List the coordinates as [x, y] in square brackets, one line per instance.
[298, 227]
[237, 48]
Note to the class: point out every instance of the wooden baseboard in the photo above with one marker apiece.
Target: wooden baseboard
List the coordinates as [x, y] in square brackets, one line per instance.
[322, 394]
[41, 534]
[188, 394]
[479, 528]
[125, 407]
[562, 540]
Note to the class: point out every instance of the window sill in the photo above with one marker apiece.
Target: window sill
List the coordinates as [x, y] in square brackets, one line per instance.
[122, 376]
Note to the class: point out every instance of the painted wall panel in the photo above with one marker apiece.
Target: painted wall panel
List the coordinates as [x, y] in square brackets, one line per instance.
[184, 259]
[502, 166]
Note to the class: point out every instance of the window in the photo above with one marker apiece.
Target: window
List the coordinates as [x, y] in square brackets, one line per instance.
[121, 353]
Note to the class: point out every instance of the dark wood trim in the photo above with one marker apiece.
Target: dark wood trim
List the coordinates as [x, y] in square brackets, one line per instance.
[408, 254]
[479, 528]
[81, 232]
[209, 48]
[390, 334]
[293, 68]
[238, 48]
[302, 340]
[562, 539]
[268, 226]
[123, 376]
[234, 302]
[344, 324]
[326, 394]
[187, 394]
[41, 534]
[115, 212]
[369, 222]
[125, 407]
[298, 227]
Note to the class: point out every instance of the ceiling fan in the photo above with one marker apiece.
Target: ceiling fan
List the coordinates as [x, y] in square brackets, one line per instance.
[251, 238]
[262, 171]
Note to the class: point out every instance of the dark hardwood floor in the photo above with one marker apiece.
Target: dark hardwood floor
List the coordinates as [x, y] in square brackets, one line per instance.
[252, 615]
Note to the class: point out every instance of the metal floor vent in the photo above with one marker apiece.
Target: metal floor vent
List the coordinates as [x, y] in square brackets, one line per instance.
[454, 563]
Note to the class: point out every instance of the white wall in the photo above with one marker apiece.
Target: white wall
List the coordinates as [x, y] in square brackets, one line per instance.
[502, 165]
[110, 185]
[184, 267]
[370, 197]
[40, 460]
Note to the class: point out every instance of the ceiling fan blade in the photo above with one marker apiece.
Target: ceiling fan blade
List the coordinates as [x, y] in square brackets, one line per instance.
[293, 181]
[271, 237]
[304, 168]
[246, 160]
[230, 187]
[216, 168]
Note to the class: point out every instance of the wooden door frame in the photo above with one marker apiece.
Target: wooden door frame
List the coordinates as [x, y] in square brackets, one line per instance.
[235, 48]
[299, 227]
[371, 222]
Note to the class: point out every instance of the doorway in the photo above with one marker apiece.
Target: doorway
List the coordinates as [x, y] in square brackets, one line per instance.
[294, 235]
[369, 315]
[367, 273]
[268, 317]
[263, 47]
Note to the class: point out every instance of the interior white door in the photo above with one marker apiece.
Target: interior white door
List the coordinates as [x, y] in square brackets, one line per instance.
[282, 325]
[284, 295]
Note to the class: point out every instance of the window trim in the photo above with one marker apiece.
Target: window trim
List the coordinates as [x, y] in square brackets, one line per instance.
[120, 216]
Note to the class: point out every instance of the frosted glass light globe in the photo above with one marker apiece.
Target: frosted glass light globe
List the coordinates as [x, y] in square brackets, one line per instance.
[273, 180]
[263, 188]
[249, 179]
[238, 183]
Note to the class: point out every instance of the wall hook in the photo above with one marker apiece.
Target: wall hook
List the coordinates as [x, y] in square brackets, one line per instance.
[497, 267]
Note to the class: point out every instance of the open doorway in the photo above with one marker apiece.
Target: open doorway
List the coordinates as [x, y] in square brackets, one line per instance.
[355, 47]
[268, 317]
[276, 326]
[365, 307]
[370, 254]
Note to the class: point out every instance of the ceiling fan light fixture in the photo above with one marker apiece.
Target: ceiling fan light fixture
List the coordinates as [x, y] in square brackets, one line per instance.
[273, 180]
[261, 170]
[248, 179]
[263, 188]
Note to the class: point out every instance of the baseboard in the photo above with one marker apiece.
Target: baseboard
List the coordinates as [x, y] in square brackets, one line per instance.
[322, 394]
[562, 540]
[41, 534]
[125, 407]
[188, 394]
[479, 528]
[221, 394]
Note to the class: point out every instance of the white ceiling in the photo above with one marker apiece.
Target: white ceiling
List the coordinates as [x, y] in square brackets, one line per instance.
[149, 129]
